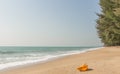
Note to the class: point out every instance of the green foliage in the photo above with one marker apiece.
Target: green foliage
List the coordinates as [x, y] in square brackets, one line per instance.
[108, 24]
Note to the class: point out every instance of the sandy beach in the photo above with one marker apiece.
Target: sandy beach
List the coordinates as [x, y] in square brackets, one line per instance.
[101, 61]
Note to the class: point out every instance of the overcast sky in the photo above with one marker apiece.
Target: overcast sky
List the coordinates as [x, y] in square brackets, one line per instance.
[48, 23]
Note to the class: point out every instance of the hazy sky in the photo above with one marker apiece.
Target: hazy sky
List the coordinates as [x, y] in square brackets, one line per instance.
[48, 22]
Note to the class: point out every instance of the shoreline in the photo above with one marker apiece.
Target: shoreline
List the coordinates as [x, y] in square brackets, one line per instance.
[99, 61]
[29, 62]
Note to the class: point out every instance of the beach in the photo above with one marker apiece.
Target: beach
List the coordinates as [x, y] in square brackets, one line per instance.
[102, 61]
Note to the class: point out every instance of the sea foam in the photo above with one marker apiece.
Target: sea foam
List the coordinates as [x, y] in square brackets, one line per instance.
[43, 58]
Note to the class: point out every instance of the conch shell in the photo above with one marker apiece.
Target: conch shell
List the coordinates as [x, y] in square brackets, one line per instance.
[84, 67]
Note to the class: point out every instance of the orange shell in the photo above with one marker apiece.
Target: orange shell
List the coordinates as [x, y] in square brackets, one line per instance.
[83, 68]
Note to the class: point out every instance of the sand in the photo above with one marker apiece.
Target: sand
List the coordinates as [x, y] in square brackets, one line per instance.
[101, 61]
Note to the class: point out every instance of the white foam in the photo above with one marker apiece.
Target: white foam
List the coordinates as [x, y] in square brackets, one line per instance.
[18, 63]
[45, 58]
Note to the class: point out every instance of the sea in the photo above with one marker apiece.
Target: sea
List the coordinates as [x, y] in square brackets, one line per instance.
[11, 56]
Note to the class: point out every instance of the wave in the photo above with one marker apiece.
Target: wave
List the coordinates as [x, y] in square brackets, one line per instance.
[44, 58]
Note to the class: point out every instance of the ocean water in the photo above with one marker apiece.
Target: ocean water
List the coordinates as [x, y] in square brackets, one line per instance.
[14, 56]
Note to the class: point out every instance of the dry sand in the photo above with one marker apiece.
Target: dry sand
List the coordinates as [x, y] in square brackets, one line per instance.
[102, 61]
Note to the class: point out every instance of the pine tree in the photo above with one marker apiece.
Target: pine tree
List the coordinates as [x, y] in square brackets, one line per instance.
[108, 24]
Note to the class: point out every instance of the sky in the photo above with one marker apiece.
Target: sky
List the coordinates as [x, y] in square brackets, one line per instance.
[49, 23]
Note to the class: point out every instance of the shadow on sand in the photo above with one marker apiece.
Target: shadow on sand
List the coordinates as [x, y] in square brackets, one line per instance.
[89, 69]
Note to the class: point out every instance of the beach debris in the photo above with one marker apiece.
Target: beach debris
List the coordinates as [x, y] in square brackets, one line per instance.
[84, 67]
